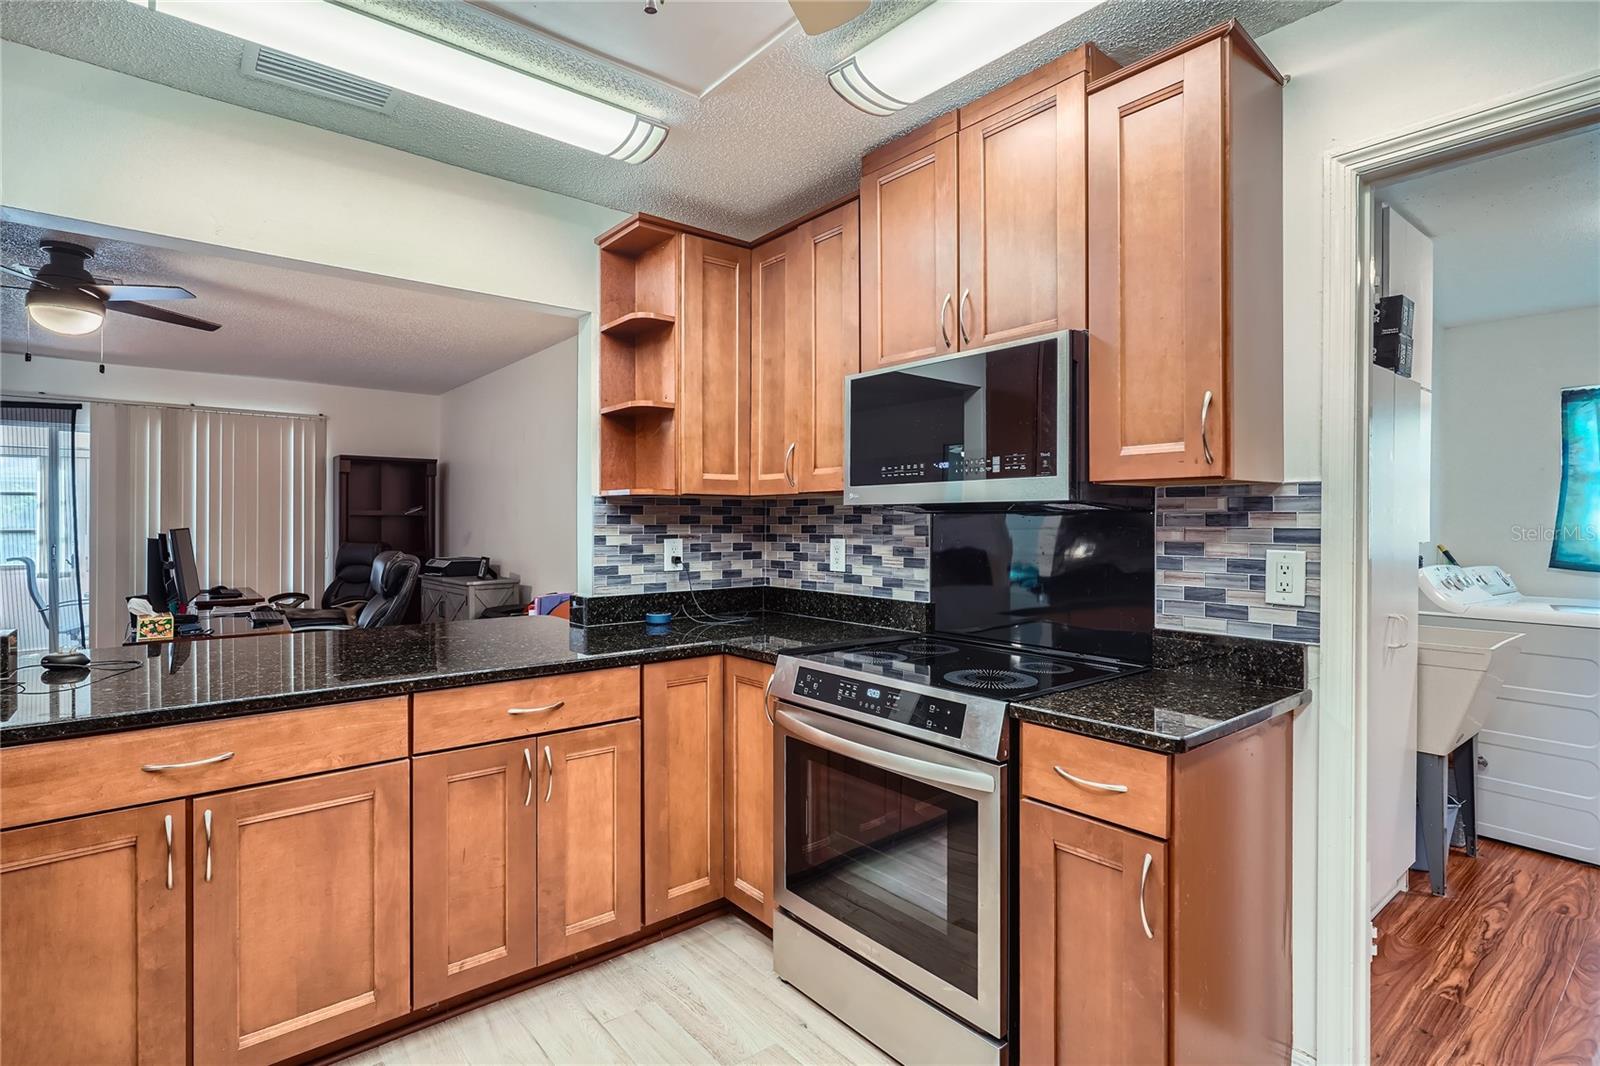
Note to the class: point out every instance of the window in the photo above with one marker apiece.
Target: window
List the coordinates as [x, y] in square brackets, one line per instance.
[44, 516]
[1577, 540]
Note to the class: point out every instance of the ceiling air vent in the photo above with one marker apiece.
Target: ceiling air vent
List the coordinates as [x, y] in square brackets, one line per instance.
[269, 64]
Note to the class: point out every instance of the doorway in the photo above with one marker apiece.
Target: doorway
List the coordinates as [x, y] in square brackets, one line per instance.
[44, 521]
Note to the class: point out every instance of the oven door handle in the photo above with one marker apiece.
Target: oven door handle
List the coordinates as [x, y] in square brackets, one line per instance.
[929, 773]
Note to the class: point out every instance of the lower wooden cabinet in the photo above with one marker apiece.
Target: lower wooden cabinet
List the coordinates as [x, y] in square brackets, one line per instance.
[587, 794]
[682, 785]
[473, 881]
[747, 788]
[1093, 965]
[93, 958]
[301, 913]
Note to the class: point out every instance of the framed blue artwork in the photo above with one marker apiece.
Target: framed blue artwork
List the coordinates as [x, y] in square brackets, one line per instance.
[1576, 545]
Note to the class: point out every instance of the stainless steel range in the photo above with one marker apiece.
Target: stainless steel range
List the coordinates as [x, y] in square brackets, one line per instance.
[894, 803]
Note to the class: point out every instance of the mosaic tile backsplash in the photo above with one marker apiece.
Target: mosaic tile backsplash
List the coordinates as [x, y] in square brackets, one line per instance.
[1211, 566]
[735, 542]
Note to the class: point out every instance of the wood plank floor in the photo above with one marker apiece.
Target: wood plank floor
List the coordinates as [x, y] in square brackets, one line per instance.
[706, 995]
[1503, 971]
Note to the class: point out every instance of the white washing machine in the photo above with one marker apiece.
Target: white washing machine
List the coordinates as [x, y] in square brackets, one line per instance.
[1539, 751]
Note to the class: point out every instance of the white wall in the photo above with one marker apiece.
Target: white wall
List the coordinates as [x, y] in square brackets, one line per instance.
[1365, 69]
[509, 442]
[1495, 492]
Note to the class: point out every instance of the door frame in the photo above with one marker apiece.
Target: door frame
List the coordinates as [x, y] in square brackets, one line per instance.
[1343, 939]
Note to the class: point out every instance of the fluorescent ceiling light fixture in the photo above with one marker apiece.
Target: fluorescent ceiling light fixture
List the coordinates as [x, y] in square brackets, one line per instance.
[946, 40]
[380, 51]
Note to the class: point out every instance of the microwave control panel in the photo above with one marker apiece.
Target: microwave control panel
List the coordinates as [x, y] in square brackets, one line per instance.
[945, 717]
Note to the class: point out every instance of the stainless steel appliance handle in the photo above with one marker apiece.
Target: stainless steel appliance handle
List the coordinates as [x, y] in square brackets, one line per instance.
[961, 315]
[788, 464]
[930, 773]
[163, 767]
[1205, 417]
[207, 819]
[1084, 782]
[556, 706]
[944, 331]
[169, 851]
[550, 775]
[766, 697]
[527, 762]
[1144, 876]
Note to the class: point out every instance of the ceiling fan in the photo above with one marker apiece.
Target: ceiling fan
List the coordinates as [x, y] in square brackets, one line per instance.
[64, 297]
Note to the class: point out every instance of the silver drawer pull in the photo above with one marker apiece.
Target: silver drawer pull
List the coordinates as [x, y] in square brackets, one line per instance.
[207, 819]
[169, 851]
[527, 761]
[550, 775]
[1144, 919]
[766, 698]
[944, 332]
[788, 465]
[163, 767]
[556, 706]
[961, 315]
[1205, 418]
[1097, 786]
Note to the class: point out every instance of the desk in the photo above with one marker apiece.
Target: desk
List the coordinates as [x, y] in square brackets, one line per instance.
[221, 626]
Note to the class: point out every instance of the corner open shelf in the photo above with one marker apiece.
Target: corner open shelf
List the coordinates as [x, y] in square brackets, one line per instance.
[639, 343]
[636, 407]
[635, 323]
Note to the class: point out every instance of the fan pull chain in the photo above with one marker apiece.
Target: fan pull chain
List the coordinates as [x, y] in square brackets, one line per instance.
[27, 344]
[102, 332]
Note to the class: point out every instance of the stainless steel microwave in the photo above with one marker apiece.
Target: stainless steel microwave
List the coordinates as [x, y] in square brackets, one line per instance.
[1003, 424]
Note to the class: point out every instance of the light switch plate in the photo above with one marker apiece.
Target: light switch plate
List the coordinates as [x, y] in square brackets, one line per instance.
[836, 554]
[1286, 578]
[672, 554]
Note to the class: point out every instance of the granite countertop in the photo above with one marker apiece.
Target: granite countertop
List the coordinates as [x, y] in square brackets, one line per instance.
[200, 680]
[1164, 710]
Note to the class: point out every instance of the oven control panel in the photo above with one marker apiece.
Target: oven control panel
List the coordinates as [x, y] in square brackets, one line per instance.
[945, 717]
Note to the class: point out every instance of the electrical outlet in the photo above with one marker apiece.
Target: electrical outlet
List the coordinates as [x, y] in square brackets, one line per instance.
[672, 554]
[1286, 578]
[836, 554]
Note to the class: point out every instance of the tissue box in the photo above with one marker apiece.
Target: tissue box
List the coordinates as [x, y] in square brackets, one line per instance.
[151, 627]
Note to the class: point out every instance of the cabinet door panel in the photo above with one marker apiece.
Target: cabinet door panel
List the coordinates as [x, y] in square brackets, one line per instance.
[93, 956]
[589, 838]
[682, 785]
[1022, 219]
[1157, 260]
[777, 312]
[302, 913]
[831, 346]
[908, 257]
[748, 779]
[473, 878]
[714, 401]
[1093, 985]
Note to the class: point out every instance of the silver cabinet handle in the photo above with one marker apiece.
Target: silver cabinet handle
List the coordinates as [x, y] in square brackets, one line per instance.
[550, 774]
[527, 761]
[961, 315]
[788, 464]
[1144, 875]
[556, 706]
[1095, 786]
[169, 851]
[163, 767]
[207, 819]
[766, 698]
[944, 331]
[1205, 436]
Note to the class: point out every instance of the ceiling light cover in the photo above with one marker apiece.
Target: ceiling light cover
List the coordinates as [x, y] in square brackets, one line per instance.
[946, 40]
[370, 48]
[71, 312]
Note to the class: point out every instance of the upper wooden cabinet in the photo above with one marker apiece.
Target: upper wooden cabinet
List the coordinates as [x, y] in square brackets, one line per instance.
[1185, 266]
[682, 723]
[805, 341]
[93, 949]
[714, 401]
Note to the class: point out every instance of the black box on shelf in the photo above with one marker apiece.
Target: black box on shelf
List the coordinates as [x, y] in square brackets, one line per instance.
[1394, 315]
[1393, 352]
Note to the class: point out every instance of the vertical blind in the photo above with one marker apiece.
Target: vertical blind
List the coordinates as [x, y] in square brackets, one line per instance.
[251, 487]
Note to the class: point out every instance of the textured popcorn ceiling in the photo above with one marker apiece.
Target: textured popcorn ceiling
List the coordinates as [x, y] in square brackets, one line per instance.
[771, 142]
[283, 319]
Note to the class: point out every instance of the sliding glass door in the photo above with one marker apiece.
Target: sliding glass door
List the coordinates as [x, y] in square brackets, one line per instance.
[44, 516]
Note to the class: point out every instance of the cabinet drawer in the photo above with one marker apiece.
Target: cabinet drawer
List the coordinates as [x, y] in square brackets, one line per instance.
[1115, 783]
[62, 778]
[456, 717]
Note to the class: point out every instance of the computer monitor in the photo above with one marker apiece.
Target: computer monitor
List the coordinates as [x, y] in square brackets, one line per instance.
[185, 575]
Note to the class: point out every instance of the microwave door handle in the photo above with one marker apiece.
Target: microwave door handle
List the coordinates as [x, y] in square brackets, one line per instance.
[929, 773]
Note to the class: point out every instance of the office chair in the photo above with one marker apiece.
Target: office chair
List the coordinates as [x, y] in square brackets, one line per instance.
[352, 579]
[394, 581]
[69, 631]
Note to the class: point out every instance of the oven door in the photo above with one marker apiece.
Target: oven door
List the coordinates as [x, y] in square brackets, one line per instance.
[892, 849]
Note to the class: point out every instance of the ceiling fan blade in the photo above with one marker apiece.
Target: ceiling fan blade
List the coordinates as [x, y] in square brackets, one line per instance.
[820, 16]
[22, 272]
[161, 314]
[119, 293]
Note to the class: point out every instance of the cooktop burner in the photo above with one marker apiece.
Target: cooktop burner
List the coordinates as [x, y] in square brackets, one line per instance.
[875, 656]
[990, 680]
[926, 647]
[1038, 665]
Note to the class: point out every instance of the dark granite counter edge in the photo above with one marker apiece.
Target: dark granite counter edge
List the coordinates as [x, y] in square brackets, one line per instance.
[1160, 742]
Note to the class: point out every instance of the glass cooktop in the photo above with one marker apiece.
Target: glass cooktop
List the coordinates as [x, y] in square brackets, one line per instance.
[998, 672]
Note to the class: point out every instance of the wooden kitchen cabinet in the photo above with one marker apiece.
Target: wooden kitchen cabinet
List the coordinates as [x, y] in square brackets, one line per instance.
[301, 912]
[747, 783]
[474, 890]
[93, 951]
[1185, 266]
[587, 794]
[805, 341]
[683, 780]
[1093, 965]
[713, 407]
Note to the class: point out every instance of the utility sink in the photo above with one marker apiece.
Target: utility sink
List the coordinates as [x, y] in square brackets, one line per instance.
[1459, 676]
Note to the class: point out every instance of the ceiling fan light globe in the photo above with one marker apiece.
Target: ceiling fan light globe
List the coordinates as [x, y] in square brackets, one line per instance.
[70, 312]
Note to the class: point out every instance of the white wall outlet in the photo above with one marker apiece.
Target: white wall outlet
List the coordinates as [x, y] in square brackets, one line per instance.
[836, 554]
[1286, 578]
[672, 553]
